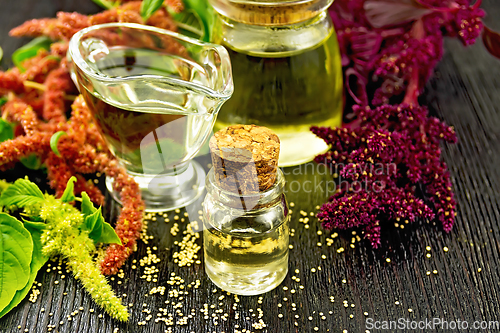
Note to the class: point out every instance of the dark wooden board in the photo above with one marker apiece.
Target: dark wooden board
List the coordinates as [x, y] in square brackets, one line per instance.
[387, 284]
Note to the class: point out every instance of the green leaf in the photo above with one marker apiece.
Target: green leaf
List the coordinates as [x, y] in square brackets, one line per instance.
[32, 162]
[3, 185]
[149, 7]
[54, 139]
[22, 193]
[93, 223]
[105, 4]
[87, 205]
[35, 224]
[1, 54]
[93, 218]
[30, 50]
[189, 23]
[100, 230]
[32, 219]
[3, 100]
[6, 131]
[206, 14]
[37, 261]
[109, 235]
[16, 250]
[68, 194]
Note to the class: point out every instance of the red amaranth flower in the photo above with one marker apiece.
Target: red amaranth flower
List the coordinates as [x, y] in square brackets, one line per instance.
[17, 110]
[389, 50]
[66, 25]
[382, 158]
[379, 46]
[82, 151]
[58, 82]
[12, 150]
[40, 108]
[37, 68]
[11, 80]
[61, 28]
[129, 223]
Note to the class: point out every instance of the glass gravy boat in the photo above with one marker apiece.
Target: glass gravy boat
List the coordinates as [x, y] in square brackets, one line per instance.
[154, 96]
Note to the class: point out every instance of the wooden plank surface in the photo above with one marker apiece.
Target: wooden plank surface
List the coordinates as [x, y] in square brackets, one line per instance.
[396, 281]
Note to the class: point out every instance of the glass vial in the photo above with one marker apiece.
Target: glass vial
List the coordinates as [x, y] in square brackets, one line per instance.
[246, 216]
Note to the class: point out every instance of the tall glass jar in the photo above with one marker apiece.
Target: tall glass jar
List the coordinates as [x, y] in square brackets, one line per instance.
[246, 237]
[286, 70]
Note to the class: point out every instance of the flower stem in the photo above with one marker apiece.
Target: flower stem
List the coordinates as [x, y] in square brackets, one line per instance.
[39, 86]
[413, 90]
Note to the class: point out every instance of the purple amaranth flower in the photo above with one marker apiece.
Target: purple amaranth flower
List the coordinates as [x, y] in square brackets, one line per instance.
[387, 41]
[390, 48]
[382, 159]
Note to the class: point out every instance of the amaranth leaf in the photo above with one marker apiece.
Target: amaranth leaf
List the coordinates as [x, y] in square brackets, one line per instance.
[37, 261]
[108, 235]
[54, 140]
[87, 206]
[93, 223]
[149, 7]
[94, 218]
[16, 250]
[6, 130]
[22, 193]
[68, 195]
[30, 50]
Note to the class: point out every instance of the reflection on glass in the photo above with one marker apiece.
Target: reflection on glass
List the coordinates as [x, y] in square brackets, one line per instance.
[154, 96]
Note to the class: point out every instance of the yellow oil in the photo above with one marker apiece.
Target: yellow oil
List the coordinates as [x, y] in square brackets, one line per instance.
[287, 93]
[246, 259]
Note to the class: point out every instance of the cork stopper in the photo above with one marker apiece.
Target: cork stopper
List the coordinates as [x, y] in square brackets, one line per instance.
[245, 158]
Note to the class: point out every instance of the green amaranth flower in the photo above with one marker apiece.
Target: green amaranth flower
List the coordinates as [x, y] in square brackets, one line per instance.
[62, 236]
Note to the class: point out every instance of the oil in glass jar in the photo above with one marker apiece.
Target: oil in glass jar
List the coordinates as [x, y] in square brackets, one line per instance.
[246, 217]
[287, 75]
